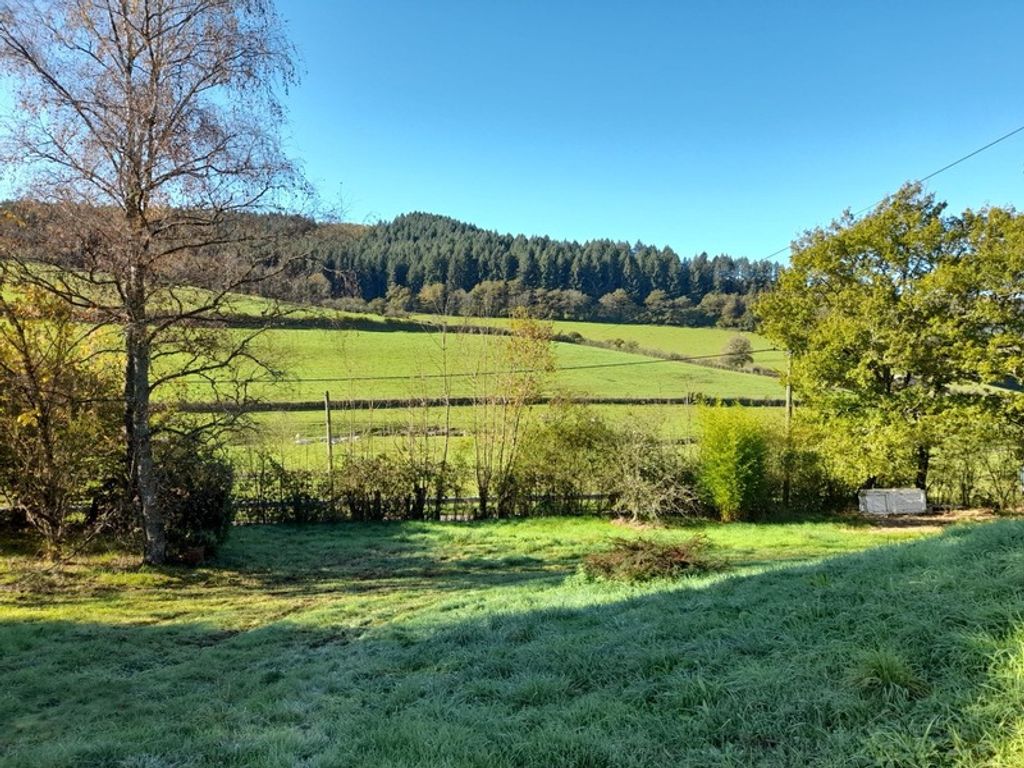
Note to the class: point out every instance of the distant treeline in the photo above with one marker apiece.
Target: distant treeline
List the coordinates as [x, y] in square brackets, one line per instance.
[427, 263]
[434, 263]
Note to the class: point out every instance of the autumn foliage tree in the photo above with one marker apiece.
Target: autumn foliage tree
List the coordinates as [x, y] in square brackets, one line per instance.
[142, 128]
[510, 376]
[58, 417]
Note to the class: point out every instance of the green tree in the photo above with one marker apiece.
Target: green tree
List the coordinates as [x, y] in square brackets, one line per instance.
[989, 317]
[399, 299]
[875, 335]
[738, 352]
[617, 306]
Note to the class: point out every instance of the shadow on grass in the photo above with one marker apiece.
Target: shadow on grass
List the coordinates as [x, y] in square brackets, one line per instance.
[314, 561]
[897, 656]
[362, 557]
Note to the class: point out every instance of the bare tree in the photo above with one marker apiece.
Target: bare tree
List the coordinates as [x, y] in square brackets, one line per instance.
[510, 375]
[144, 128]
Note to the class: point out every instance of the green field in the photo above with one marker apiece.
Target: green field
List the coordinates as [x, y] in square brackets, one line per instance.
[480, 645]
[406, 359]
[667, 339]
[356, 364]
[297, 438]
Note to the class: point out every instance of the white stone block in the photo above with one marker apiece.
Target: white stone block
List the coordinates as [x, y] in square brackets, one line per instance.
[893, 501]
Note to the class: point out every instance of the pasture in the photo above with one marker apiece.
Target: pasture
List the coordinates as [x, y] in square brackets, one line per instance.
[665, 339]
[371, 358]
[297, 438]
[481, 645]
[361, 364]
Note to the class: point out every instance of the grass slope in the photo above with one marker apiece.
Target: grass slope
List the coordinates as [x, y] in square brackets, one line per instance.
[415, 360]
[476, 645]
[667, 339]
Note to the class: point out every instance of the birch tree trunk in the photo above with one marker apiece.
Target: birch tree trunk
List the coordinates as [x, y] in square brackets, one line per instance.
[141, 131]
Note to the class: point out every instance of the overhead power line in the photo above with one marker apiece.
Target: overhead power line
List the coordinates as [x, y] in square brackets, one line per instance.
[931, 175]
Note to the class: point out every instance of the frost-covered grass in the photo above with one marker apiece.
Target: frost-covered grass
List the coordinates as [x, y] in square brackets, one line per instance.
[420, 644]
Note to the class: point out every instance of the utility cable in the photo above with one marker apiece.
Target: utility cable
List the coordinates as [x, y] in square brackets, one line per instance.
[931, 175]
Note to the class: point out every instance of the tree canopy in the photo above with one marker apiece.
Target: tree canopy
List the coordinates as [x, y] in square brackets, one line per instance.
[896, 321]
[418, 250]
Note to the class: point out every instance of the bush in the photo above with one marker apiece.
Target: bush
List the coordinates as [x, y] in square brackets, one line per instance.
[644, 559]
[649, 478]
[194, 486]
[565, 455]
[394, 488]
[384, 487]
[813, 488]
[734, 453]
[266, 492]
[976, 461]
[59, 418]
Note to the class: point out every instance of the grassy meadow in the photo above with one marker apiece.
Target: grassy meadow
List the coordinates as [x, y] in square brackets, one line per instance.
[360, 364]
[481, 645]
[370, 357]
[297, 438]
[666, 339]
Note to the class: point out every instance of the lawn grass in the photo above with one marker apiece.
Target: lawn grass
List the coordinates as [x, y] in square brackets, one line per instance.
[480, 645]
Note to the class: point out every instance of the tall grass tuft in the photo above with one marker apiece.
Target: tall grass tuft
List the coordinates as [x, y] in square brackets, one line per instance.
[886, 674]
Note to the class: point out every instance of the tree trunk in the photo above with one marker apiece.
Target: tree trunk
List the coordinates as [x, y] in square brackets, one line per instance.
[140, 445]
[482, 503]
[924, 456]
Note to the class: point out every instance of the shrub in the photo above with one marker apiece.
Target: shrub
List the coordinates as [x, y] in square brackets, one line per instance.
[383, 487]
[812, 486]
[266, 492]
[976, 461]
[393, 487]
[194, 491]
[733, 471]
[644, 559]
[564, 456]
[59, 418]
[649, 478]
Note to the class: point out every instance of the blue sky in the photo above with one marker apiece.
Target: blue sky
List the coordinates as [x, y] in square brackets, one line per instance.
[724, 126]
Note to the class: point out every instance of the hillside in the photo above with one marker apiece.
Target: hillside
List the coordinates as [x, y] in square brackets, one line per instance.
[434, 263]
[377, 364]
[419, 249]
